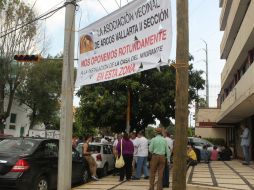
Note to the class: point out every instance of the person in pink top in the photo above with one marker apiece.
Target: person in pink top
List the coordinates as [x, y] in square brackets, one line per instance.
[214, 154]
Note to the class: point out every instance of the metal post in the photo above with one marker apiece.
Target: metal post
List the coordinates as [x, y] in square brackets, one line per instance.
[182, 85]
[65, 144]
[207, 83]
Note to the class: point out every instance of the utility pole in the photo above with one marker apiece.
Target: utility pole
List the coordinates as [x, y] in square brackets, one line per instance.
[128, 116]
[182, 85]
[65, 144]
[207, 83]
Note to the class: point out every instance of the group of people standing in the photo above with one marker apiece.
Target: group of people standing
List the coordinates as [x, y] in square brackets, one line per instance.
[136, 150]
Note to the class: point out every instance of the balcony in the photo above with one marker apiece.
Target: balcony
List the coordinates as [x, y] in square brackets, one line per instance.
[221, 3]
[231, 19]
[240, 47]
[224, 13]
[240, 101]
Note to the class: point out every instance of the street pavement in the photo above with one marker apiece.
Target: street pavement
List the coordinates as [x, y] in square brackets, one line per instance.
[229, 175]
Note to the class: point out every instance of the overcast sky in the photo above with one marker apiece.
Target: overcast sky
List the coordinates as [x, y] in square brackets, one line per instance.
[203, 25]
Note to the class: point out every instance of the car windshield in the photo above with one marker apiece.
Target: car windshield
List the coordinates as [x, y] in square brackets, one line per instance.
[17, 145]
[201, 142]
[94, 148]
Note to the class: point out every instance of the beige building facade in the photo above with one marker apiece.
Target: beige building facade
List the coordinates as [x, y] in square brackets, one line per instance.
[236, 98]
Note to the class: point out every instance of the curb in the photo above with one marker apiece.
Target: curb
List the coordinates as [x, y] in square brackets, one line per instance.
[200, 187]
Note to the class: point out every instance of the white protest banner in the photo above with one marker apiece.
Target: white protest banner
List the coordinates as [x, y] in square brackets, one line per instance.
[132, 39]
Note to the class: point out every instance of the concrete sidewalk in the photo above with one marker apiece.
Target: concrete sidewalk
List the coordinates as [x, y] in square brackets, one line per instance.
[230, 175]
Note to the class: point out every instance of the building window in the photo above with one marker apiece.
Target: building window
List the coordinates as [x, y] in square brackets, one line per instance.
[13, 118]
[13, 127]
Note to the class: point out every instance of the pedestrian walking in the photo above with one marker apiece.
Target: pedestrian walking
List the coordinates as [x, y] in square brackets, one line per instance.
[127, 152]
[90, 160]
[158, 149]
[141, 143]
[245, 144]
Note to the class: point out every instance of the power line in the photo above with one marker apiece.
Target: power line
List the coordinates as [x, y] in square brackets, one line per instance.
[38, 18]
[117, 4]
[103, 6]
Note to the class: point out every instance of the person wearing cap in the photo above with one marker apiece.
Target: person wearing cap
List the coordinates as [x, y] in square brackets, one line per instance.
[158, 148]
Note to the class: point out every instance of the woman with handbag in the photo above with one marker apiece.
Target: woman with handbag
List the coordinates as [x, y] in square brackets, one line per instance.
[125, 148]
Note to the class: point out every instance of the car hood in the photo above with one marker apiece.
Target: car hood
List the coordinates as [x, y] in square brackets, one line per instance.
[7, 161]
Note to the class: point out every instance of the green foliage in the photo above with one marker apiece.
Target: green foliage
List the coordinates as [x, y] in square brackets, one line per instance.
[171, 129]
[190, 132]
[152, 96]
[14, 13]
[41, 92]
[216, 141]
[149, 132]
[80, 131]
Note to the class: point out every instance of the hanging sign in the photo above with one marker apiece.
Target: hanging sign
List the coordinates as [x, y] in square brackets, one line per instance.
[132, 39]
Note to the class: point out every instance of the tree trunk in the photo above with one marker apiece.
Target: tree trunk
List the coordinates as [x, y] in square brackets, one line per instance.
[2, 113]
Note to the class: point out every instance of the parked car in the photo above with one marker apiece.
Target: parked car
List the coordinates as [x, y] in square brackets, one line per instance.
[199, 143]
[32, 163]
[2, 137]
[103, 155]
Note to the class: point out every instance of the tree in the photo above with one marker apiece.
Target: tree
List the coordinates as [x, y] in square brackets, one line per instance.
[41, 93]
[152, 96]
[13, 13]
[2, 3]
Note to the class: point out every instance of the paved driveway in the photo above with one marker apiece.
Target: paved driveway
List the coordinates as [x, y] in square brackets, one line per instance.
[230, 175]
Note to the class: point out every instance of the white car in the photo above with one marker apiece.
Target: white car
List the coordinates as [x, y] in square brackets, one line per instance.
[102, 154]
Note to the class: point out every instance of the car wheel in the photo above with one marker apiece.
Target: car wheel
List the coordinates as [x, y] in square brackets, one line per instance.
[41, 184]
[105, 170]
[85, 176]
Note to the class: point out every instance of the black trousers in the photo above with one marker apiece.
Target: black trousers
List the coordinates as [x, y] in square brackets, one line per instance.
[127, 169]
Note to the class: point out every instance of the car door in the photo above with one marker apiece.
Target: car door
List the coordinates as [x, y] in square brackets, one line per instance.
[111, 157]
[77, 166]
[45, 161]
[107, 156]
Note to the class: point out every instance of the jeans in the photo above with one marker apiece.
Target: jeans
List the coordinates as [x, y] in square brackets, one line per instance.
[141, 163]
[165, 181]
[246, 154]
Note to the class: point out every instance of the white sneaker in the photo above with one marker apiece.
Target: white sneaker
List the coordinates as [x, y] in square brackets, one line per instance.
[95, 178]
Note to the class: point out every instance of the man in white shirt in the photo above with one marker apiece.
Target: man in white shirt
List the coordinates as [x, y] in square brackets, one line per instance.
[141, 143]
[133, 139]
[103, 139]
[170, 142]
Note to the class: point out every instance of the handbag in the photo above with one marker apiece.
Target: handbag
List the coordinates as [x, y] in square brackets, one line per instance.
[119, 160]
